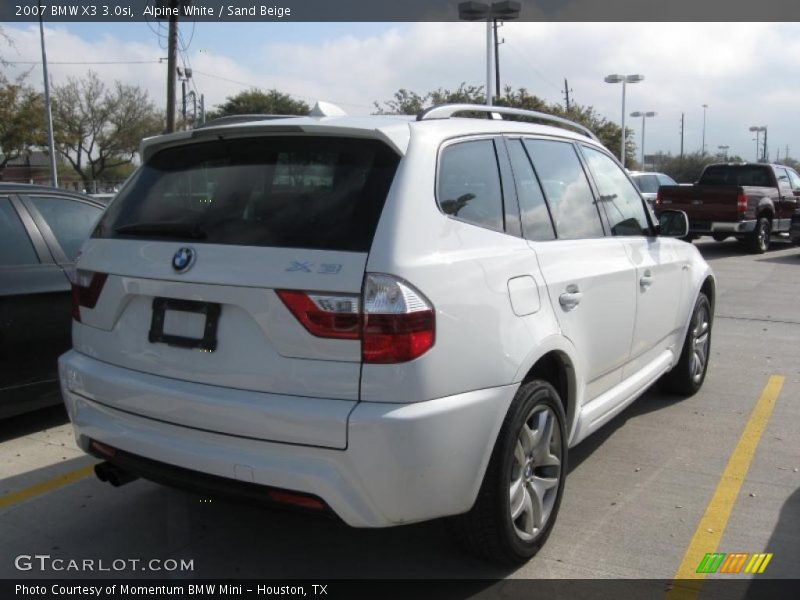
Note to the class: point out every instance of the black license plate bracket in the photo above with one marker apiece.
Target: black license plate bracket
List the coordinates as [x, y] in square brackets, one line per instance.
[211, 310]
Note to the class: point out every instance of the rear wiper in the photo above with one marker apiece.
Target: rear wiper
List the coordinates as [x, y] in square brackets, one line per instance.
[176, 229]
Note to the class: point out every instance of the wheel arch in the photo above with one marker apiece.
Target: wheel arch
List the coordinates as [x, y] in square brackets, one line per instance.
[766, 209]
[709, 288]
[557, 368]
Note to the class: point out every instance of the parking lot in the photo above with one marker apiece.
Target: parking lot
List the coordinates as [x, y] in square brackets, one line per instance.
[645, 496]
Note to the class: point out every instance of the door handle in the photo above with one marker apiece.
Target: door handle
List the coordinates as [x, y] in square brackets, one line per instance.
[570, 298]
[646, 281]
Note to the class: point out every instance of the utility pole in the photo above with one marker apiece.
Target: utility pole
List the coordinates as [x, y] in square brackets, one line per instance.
[766, 152]
[682, 136]
[172, 54]
[202, 109]
[566, 93]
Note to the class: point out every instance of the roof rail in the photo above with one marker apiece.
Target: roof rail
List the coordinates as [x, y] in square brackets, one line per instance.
[446, 111]
[229, 119]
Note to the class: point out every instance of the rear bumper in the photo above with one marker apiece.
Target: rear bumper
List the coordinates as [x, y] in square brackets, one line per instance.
[402, 463]
[709, 227]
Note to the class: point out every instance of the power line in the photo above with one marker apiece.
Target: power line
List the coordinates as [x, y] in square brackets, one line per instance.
[158, 31]
[544, 77]
[184, 52]
[90, 62]
[191, 37]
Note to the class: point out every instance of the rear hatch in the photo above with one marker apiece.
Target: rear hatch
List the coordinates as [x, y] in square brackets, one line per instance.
[191, 273]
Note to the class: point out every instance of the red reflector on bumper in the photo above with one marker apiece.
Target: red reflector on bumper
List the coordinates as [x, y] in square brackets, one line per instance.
[103, 449]
[300, 500]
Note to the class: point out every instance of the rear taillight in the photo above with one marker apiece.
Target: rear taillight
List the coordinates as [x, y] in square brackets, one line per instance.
[659, 200]
[86, 289]
[399, 322]
[741, 202]
[394, 321]
[325, 315]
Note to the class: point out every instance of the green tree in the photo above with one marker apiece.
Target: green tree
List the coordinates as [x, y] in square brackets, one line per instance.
[22, 125]
[97, 128]
[409, 103]
[255, 101]
[687, 169]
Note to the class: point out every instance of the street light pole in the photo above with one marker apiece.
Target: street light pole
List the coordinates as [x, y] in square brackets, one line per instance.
[624, 79]
[644, 115]
[48, 112]
[489, 61]
[758, 130]
[705, 106]
[496, 59]
[491, 13]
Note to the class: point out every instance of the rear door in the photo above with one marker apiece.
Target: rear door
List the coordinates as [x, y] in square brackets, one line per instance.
[589, 277]
[239, 264]
[659, 274]
[786, 202]
[34, 313]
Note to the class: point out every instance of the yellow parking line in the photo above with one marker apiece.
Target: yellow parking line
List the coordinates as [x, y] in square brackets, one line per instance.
[46, 486]
[709, 531]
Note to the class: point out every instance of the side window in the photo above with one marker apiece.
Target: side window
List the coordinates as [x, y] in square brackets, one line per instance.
[536, 223]
[622, 204]
[566, 189]
[795, 180]
[71, 221]
[783, 180]
[15, 245]
[469, 184]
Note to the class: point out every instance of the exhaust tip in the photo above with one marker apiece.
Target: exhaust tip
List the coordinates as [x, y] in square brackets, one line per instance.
[112, 474]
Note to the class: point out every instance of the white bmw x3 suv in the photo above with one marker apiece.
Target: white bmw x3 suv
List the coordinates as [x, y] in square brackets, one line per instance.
[390, 319]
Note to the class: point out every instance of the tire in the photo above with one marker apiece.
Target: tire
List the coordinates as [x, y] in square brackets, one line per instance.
[759, 241]
[507, 524]
[720, 237]
[686, 378]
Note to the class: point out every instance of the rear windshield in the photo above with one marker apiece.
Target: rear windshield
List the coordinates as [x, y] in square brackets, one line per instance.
[737, 175]
[647, 184]
[291, 192]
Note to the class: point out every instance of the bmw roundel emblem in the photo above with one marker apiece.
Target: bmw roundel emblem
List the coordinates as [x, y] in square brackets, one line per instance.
[183, 259]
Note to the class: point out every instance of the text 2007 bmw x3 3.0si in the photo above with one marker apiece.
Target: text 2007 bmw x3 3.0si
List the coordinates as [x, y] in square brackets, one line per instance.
[391, 319]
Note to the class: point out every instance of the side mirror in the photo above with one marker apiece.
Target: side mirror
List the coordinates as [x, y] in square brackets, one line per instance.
[673, 223]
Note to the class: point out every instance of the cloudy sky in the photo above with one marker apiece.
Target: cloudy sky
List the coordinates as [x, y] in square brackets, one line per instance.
[747, 73]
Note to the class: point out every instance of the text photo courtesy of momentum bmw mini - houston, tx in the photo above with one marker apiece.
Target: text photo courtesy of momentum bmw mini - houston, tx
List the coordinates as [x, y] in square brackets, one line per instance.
[429, 299]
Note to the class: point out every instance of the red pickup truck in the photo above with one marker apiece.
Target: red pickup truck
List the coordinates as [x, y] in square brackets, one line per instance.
[750, 201]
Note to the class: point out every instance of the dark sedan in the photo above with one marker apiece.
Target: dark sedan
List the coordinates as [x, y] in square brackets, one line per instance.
[41, 232]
